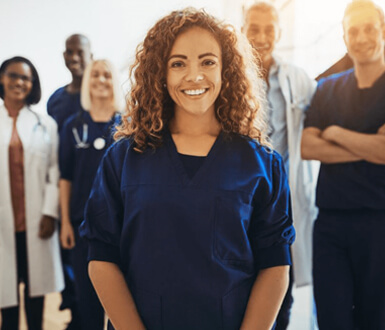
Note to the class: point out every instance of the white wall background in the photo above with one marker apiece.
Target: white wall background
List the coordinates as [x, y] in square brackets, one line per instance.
[37, 29]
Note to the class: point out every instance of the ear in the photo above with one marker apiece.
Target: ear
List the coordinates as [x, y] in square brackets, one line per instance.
[345, 41]
[279, 33]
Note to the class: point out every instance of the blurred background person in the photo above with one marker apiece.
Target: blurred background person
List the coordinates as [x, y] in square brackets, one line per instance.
[83, 140]
[345, 130]
[29, 248]
[289, 91]
[63, 103]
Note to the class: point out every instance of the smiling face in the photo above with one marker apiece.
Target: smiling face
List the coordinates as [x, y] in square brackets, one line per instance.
[194, 70]
[77, 55]
[262, 31]
[17, 81]
[364, 35]
[101, 84]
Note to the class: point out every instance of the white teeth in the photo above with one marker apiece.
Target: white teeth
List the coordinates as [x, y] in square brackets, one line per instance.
[194, 91]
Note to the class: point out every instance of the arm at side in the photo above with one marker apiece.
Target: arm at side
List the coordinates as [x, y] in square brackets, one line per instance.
[266, 298]
[313, 146]
[114, 295]
[67, 237]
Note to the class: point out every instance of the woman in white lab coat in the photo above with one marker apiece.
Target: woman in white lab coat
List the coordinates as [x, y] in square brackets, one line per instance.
[29, 245]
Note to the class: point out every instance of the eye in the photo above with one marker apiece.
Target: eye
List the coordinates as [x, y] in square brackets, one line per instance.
[269, 31]
[352, 32]
[208, 62]
[369, 29]
[177, 64]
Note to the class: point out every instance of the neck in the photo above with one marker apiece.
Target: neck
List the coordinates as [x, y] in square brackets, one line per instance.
[75, 85]
[195, 125]
[266, 65]
[367, 74]
[102, 110]
[13, 107]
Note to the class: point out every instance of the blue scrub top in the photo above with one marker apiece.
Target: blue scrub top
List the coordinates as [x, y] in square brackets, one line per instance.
[190, 248]
[79, 165]
[339, 101]
[61, 105]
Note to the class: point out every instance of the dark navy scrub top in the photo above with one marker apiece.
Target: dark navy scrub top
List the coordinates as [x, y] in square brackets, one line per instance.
[190, 249]
[79, 165]
[339, 101]
[61, 105]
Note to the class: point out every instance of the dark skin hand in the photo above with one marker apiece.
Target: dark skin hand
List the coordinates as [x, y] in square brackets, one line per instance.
[46, 227]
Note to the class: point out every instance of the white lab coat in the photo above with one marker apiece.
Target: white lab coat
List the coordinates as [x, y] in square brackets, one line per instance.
[41, 174]
[298, 89]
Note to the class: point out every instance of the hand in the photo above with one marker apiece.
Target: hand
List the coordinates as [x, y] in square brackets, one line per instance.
[46, 227]
[381, 130]
[330, 132]
[67, 236]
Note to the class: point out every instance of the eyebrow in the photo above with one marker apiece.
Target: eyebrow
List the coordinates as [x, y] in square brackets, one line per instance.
[184, 57]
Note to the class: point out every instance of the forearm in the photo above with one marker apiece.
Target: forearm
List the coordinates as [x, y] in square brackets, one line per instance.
[114, 295]
[266, 298]
[65, 197]
[370, 147]
[313, 146]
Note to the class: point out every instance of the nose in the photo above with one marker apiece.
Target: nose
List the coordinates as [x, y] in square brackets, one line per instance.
[361, 36]
[102, 78]
[194, 74]
[75, 57]
[19, 81]
[260, 37]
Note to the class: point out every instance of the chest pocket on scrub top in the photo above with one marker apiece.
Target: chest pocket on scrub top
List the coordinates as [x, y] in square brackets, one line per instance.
[231, 223]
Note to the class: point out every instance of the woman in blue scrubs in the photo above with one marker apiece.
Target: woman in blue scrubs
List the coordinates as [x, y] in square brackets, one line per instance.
[84, 138]
[189, 220]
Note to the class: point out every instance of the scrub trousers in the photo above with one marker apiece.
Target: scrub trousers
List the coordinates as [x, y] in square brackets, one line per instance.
[349, 269]
[33, 306]
[89, 307]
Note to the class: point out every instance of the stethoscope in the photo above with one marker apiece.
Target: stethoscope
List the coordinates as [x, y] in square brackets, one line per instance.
[40, 125]
[81, 143]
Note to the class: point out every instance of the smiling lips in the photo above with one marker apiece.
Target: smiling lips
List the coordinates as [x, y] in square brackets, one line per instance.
[194, 92]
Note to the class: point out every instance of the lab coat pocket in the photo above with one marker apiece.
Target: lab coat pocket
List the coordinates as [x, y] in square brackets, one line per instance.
[234, 305]
[149, 306]
[231, 243]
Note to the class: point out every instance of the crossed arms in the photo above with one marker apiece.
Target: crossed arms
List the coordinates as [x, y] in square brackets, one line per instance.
[339, 145]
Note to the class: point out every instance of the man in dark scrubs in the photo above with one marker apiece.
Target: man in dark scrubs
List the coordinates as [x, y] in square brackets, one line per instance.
[64, 102]
[345, 130]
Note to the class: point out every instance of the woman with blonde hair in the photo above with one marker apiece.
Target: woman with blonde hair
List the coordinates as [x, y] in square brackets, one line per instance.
[84, 138]
[188, 221]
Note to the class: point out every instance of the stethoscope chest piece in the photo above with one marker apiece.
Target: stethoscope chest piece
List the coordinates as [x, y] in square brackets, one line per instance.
[99, 143]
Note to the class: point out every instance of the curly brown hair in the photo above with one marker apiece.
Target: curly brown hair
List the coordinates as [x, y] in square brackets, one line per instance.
[150, 108]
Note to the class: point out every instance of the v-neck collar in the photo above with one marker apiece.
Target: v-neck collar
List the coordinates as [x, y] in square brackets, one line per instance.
[177, 162]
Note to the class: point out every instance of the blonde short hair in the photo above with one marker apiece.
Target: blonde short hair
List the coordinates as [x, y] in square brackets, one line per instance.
[263, 6]
[85, 96]
[357, 5]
